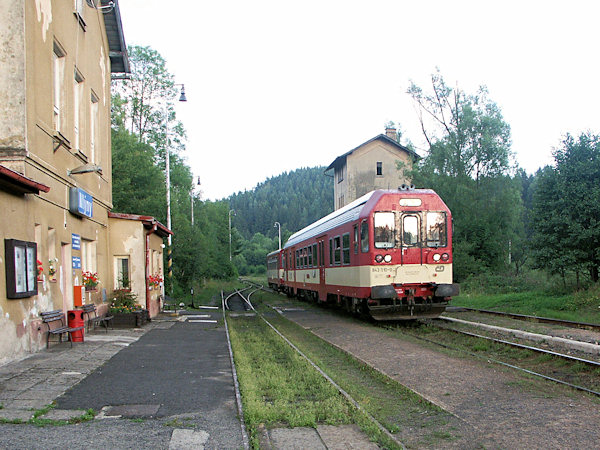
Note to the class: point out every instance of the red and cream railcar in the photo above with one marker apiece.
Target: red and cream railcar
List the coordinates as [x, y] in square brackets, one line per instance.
[387, 254]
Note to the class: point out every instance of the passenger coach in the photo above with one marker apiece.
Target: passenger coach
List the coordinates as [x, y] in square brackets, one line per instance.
[387, 254]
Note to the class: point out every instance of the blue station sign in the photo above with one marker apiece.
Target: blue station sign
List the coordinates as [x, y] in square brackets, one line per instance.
[76, 262]
[75, 241]
[80, 202]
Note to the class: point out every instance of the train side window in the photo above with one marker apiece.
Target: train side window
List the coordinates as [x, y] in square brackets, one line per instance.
[337, 250]
[346, 248]
[355, 239]
[314, 255]
[364, 236]
[305, 254]
[310, 257]
[410, 231]
[331, 252]
[297, 259]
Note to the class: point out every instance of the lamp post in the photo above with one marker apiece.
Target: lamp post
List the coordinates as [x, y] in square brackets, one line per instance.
[192, 196]
[182, 98]
[278, 225]
[230, 211]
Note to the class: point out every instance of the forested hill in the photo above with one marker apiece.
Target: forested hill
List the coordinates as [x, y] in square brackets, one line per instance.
[293, 199]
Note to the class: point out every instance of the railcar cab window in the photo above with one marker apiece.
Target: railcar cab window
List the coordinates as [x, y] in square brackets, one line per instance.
[364, 236]
[410, 231]
[355, 239]
[384, 223]
[436, 234]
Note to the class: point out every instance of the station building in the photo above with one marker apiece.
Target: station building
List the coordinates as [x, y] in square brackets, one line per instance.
[371, 165]
[57, 60]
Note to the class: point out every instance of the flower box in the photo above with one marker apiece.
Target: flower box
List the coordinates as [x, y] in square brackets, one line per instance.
[133, 319]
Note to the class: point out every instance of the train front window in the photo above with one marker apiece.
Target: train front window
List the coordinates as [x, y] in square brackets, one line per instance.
[436, 230]
[384, 224]
[410, 231]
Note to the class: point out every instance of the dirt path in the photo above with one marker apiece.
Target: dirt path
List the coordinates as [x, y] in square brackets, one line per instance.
[505, 406]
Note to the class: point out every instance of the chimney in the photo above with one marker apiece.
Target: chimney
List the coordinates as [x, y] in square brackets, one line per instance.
[391, 133]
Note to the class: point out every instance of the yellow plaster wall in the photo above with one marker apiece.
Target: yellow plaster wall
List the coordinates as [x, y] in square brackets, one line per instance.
[28, 31]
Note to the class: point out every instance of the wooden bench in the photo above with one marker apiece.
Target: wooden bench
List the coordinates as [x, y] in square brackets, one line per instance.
[169, 303]
[57, 325]
[93, 319]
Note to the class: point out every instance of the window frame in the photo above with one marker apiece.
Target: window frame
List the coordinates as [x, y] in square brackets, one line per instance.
[379, 244]
[345, 249]
[364, 236]
[337, 250]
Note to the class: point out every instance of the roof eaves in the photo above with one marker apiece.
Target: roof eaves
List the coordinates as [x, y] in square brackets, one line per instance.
[379, 136]
[119, 59]
[22, 183]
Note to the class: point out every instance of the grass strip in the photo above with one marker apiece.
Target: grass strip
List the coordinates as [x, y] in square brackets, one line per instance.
[416, 421]
[278, 387]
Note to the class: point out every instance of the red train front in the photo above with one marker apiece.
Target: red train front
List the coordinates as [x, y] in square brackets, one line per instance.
[387, 254]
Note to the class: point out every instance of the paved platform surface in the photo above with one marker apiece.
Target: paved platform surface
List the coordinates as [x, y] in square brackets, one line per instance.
[166, 385]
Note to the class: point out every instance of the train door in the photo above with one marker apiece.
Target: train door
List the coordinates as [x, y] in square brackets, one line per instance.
[321, 264]
[410, 226]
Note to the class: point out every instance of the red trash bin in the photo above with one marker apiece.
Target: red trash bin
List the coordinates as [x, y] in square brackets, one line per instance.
[75, 320]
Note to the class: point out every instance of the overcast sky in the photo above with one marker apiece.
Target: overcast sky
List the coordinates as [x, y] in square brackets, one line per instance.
[273, 86]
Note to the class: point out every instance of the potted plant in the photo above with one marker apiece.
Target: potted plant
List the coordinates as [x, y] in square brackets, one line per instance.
[125, 309]
[52, 269]
[154, 281]
[90, 280]
[40, 270]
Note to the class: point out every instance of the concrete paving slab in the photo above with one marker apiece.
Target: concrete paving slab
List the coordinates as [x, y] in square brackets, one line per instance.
[132, 411]
[63, 414]
[183, 439]
[300, 438]
[15, 414]
[345, 437]
[38, 403]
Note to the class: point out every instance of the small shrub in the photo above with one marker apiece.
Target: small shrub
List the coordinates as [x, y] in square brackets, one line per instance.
[124, 301]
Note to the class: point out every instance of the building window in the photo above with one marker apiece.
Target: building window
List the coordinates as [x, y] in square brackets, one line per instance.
[21, 268]
[94, 153]
[88, 256]
[340, 173]
[341, 201]
[77, 110]
[123, 281]
[58, 70]
[79, 13]
[379, 168]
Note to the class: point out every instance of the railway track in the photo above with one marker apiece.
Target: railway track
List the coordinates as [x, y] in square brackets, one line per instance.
[569, 358]
[566, 323]
[246, 299]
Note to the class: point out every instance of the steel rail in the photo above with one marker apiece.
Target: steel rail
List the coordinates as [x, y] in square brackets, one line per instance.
[236, 384]
[526, 347]
[567, 323]
[324, 375]
[512, 366]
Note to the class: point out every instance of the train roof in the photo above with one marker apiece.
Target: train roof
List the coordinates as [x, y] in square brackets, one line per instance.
[348, 213]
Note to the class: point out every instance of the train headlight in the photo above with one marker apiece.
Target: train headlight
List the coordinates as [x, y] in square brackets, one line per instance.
[387, 258]
[436, 257]
[445, 256]
[379, 258]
